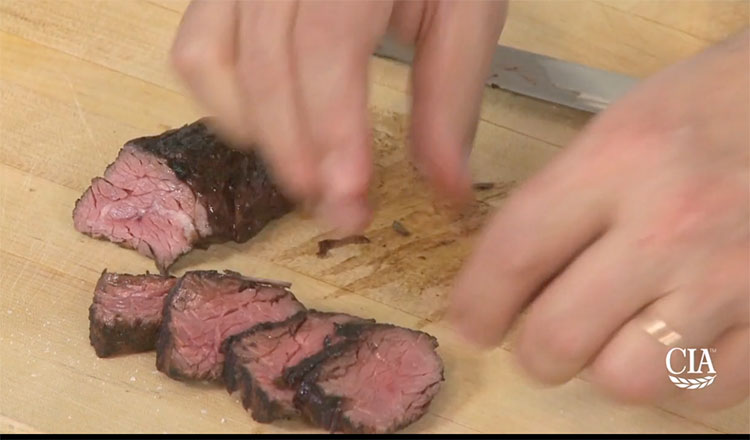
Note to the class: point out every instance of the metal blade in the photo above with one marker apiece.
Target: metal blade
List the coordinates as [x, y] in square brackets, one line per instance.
[539, 76]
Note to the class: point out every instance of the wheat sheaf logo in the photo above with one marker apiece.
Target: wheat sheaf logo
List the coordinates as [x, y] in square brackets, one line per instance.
[689, 356]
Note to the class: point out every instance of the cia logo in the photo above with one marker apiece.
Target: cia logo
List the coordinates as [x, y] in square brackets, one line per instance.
[691, 362]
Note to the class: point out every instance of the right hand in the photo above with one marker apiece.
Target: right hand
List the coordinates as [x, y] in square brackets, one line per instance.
[291, 77]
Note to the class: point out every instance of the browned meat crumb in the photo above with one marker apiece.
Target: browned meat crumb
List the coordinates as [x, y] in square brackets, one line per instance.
[326, 245]
[482, 186]
[400, 228]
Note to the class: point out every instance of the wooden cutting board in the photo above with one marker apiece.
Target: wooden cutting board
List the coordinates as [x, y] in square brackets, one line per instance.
[79, 78]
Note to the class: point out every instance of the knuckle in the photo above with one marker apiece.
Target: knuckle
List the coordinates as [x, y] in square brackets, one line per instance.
[548, 345]
[721, 292]
[196, 55]
[615, 378]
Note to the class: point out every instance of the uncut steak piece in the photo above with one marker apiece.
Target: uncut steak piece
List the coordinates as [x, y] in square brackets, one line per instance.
[257, 359]
[206, 307]
[378, 380]
[126, 313]
[184, 188]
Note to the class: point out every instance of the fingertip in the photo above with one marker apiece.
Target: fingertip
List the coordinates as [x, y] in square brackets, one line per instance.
[445, 166]
[346, 216]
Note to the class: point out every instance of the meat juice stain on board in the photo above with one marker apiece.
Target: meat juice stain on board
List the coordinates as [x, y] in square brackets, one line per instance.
[397, 269]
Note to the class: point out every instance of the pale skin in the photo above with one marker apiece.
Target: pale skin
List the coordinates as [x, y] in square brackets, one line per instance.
[645, 217]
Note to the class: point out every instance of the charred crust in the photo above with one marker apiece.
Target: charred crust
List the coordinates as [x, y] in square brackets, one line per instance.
[254, 398]
[260, 281]
[122, 336]
[236, 377]
[234, 186]
[294, 376]
[355, 330]
[164, 345]
[164, 338]
[325, 411]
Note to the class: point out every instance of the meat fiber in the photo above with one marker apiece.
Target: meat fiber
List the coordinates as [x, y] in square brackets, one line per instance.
[184, 188]
[378, 380]
[257, 359]
[205, 308]
[126, 313]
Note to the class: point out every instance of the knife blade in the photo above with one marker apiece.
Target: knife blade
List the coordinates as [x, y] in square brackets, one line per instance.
[539, 76]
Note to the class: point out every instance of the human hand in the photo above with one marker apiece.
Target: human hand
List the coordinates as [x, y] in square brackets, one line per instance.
[291, 76]
[643, 221]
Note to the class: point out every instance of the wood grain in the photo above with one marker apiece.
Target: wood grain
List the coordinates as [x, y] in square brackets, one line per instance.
[78, 78]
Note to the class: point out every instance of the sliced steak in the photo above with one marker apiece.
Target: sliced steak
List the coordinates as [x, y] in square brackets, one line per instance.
[166, 194]
[126, 313]
[257, 359]
[205, 308]
[378, 380]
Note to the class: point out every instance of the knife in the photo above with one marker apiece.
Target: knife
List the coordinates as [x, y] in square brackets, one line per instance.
[539, 76]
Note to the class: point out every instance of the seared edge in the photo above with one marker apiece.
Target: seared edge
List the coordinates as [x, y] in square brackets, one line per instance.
[327, 411]
[164, 343]
[123, 337]
[236, 377]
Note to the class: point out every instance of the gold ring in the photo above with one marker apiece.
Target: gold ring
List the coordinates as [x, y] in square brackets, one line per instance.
[662, 332]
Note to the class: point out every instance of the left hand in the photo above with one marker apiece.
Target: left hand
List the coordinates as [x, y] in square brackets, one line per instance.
[643, 220]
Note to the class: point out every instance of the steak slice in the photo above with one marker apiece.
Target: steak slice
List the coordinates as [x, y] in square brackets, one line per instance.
[126, 313]
[378, 380]
[165, 194]
[256, 360]
[205, 308]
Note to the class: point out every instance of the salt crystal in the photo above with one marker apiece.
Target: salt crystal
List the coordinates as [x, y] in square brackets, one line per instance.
[70, 417]
[223, 420]
[34, 375]
[10, 312]
[132, 378]
[204, 411]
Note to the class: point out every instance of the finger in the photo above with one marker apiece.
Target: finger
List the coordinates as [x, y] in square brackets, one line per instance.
[333, 42]
[203, 54]
[451, 64]
[632, 366]
[545, 224]
[732, 382]
[582, 308]
[269, 86]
